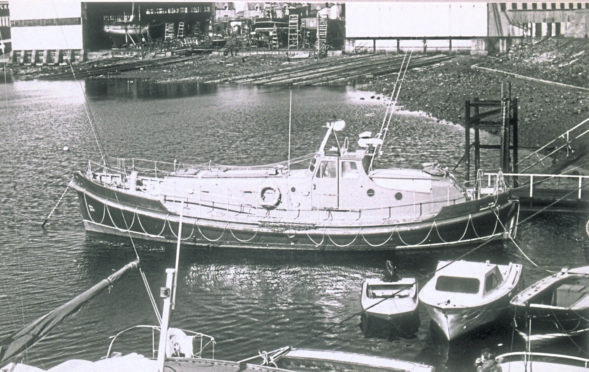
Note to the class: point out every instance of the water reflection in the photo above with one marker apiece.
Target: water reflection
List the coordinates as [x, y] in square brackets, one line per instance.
[144, 89]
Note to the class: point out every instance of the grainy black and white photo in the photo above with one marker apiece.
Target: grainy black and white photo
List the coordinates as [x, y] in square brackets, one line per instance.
[282, 186]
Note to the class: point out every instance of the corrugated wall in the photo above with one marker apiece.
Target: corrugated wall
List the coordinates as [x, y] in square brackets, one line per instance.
[416, 19]
[46, 24]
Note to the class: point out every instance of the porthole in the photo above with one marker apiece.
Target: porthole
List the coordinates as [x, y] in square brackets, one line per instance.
[398, 196]
[370, 192]
[293, 189]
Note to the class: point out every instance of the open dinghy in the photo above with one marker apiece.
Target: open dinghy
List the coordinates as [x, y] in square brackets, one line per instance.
[555, 306]
[390, 305]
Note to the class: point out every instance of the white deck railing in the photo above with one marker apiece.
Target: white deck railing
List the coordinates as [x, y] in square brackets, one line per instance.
[533, 180]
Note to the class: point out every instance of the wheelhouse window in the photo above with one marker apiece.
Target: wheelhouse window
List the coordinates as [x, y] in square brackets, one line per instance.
[327, 169]
[349, 169]
[312, 164]
[491, 282]
[458, 285]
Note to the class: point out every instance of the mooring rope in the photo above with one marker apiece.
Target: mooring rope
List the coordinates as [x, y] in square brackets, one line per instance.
[141, 272]
[518, 247]
[56, 204]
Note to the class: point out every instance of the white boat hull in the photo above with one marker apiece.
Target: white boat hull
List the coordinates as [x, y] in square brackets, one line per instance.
[456, 322]
[463, 296]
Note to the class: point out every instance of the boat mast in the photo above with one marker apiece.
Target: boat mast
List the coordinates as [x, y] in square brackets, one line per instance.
[169, 295]
[166, 294]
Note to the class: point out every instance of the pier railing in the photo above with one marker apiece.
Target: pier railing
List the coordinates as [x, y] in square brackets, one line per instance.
[561, 145]
[533, 182]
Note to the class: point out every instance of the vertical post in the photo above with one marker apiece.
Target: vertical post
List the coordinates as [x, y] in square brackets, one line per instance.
[166, 295]
[398, 45]
[174, 288]
[503, 139]
[467, 139]
[373, 46]
[477, 137]
[506, 137]
[289, 130]
[450, 44]
[514, 123]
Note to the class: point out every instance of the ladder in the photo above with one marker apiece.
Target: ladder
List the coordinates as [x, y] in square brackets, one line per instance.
[293, 31]
[321, 34]
[322, 29]
[180, 30]
[169, 33]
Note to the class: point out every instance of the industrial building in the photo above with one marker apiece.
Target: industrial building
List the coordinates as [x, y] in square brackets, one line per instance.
[474, 26]
[52, 31]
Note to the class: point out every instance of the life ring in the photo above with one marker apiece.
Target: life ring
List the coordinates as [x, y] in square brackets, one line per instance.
[270, 197]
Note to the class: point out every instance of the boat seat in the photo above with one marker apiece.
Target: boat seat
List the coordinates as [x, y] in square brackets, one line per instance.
[568, 294]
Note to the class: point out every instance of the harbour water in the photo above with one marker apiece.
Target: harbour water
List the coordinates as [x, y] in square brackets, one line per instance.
[247, 301]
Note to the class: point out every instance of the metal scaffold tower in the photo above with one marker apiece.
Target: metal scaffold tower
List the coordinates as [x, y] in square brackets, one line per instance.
[499, 116]
[293, 31]
[321, 32]
[180, 30]
[169, 33]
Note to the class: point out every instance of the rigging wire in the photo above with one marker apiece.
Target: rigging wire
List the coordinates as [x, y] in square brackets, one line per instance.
[141, 272]
[391, 106]
[91, 119]
[104, 160]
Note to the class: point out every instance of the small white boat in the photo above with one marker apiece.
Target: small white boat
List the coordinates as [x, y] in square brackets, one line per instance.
[465, 295]
[556, 306]
[537, 362]
[390, 306]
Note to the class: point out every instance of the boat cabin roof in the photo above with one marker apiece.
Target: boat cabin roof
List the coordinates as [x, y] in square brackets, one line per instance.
[466, 279]
[380, 282]
[466, 269]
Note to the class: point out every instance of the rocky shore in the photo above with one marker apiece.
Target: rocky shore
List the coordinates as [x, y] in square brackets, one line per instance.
[546, 109]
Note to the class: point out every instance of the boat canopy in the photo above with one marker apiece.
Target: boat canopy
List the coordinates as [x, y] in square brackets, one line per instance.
[467, 277]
